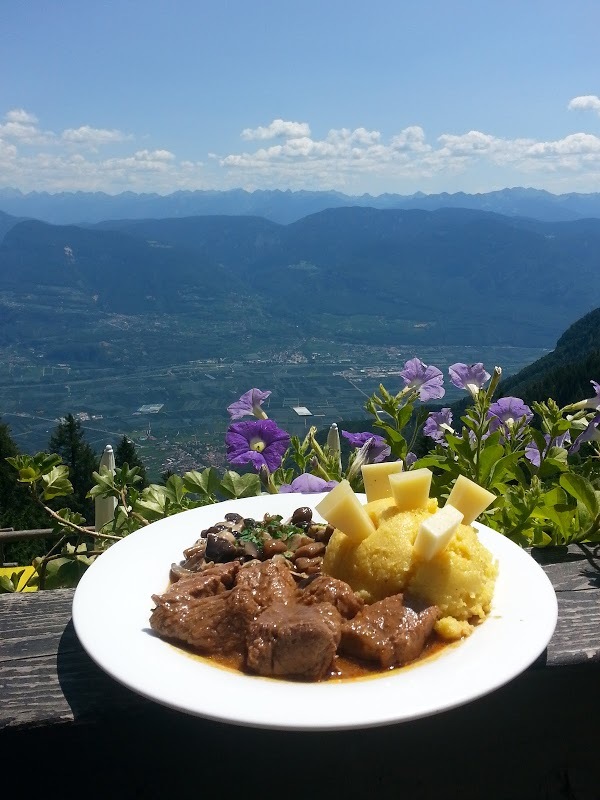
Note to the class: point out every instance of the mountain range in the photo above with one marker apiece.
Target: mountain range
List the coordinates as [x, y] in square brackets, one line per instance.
[64, 208]
[433, 277]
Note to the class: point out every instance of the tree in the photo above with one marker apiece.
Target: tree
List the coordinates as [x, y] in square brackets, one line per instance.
[17, 508]
[68, 441]
[126, 453]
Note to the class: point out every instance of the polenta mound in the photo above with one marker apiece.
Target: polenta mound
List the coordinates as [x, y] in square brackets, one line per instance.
[460, 580]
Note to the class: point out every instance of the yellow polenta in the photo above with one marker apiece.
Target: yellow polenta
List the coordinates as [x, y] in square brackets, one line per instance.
[459, 580]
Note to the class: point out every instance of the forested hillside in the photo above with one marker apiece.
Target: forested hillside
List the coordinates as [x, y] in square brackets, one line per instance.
[565, 373]
[452, 276]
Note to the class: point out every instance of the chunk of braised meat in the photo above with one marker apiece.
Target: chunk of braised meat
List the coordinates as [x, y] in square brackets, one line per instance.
[388, 632]
[294, 640]
[324, 589]
[181, 612]
[260, 584]
[213, 580]
[204, 623]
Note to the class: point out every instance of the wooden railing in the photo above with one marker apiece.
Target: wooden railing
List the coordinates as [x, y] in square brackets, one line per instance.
[8, 535]
[533, 738]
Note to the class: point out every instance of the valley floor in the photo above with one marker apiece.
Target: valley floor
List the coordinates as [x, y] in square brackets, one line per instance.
[176, 415]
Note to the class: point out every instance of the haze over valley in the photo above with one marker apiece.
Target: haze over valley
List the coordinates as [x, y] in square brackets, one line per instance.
[150, 328]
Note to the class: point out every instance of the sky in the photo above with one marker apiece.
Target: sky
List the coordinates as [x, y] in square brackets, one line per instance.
[361, 97]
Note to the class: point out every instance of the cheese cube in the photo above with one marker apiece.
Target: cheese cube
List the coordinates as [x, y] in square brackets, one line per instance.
[470, 498]
[411, 489]
[436, 532]
[342, 509]
[376, 479]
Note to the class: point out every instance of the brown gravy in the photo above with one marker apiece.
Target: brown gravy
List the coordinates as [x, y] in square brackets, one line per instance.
[344, 669]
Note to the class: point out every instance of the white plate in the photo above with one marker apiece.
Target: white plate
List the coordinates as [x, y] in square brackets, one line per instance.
[112, 606]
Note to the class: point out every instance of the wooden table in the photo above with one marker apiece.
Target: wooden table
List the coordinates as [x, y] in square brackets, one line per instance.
[535, 737]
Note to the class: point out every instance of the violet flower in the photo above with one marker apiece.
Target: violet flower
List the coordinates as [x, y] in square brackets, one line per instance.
[506, 411]
[307, 484]
[590, 434]
[591, 403]
[410, 459]
[378, 449]
[437, 424]
[429, 381]
[256, 442]
[471, 377]
[249, 404]
[532, 451]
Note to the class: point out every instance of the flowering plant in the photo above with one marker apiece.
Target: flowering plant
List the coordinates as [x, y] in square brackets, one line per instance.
[289, 464]
[542, 463]
[528, 457]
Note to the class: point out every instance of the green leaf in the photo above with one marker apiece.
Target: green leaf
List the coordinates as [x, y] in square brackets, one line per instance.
[439, 461]
[561, 511]
[45, 462]
[403, 415]
[104, 484]
[541, 538]
[6, 585]
[392, 435]
[581, 489]
[489, 456]
[71, 516]
[175, 489]
[56, 483]
[64, 573]
[461, 446]
[234, 485]
[204, 483]
[507, 467]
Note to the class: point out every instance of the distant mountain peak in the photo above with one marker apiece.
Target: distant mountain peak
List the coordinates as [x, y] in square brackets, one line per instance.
[284, 205]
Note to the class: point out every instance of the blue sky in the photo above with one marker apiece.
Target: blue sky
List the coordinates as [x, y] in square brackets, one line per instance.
[386, 96]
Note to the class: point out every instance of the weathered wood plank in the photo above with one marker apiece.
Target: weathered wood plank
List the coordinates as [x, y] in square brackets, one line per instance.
[576, 639]
[31, 625]
[573, 569]
[46, 677]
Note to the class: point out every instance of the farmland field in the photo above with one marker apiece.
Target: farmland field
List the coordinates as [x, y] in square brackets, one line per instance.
[176, 414]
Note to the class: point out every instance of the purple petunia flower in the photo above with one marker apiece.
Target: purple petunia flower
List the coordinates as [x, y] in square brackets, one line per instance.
[249, 404]
[471, 377]
[590, 434]
[307, 484]
[256, 442]
[506, 411]
[410, 459]
[378, 449]
[437, 424]
[428, 380]
[592, 402]
[532, 452]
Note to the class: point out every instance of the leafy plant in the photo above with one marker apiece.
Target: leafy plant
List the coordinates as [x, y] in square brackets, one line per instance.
[547, 493]
[76, 545]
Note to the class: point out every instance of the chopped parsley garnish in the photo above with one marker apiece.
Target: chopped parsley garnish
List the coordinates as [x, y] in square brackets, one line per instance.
[271, 526]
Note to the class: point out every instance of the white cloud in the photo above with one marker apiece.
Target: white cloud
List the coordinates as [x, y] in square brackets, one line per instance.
[344, 156]
[142, 161]
[93, 137]
[21, 126]
[278, 128]
[586, 102]
[287, 155]
[20, 116]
